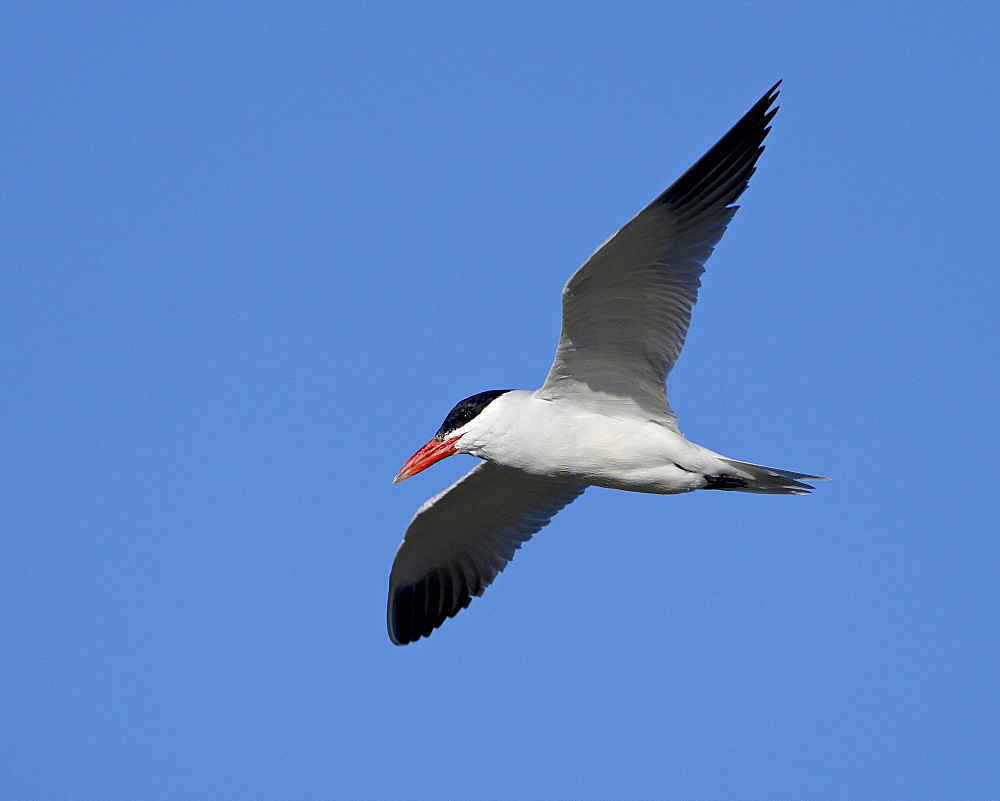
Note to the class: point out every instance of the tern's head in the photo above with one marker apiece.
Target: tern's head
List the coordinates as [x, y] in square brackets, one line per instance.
[446, 441]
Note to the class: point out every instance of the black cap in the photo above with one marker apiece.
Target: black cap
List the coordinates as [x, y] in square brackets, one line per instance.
[467, 409]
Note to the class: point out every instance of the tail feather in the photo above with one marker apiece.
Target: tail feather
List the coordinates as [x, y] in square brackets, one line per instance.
[771, 480]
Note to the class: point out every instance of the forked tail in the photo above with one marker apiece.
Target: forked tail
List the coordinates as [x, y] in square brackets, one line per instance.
[770, 480]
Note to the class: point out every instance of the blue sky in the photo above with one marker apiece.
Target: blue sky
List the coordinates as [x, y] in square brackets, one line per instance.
[253, 253]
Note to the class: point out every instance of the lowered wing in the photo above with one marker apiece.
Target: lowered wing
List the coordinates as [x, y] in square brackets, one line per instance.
[460, 540]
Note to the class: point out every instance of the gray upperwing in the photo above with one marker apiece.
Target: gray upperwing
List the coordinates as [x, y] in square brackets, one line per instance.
[626, 311]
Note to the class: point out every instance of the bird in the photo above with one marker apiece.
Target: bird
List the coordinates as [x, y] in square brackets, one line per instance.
[602, 417]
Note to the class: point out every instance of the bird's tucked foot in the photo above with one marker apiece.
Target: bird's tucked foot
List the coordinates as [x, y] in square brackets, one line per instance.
[724, 481]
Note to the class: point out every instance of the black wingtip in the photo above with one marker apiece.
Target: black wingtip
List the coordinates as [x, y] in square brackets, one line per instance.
[401, 615]
[415, 610]
[721, 175]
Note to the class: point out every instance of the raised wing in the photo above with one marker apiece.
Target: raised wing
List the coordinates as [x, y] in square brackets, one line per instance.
[459, 540]
[626, 311]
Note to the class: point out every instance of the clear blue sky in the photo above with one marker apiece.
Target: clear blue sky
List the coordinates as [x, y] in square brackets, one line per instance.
[253, 253]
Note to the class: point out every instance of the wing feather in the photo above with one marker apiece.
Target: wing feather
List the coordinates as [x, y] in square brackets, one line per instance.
[460, 540]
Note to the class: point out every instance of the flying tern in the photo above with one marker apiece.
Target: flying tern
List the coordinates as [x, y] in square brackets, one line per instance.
[602, 417]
